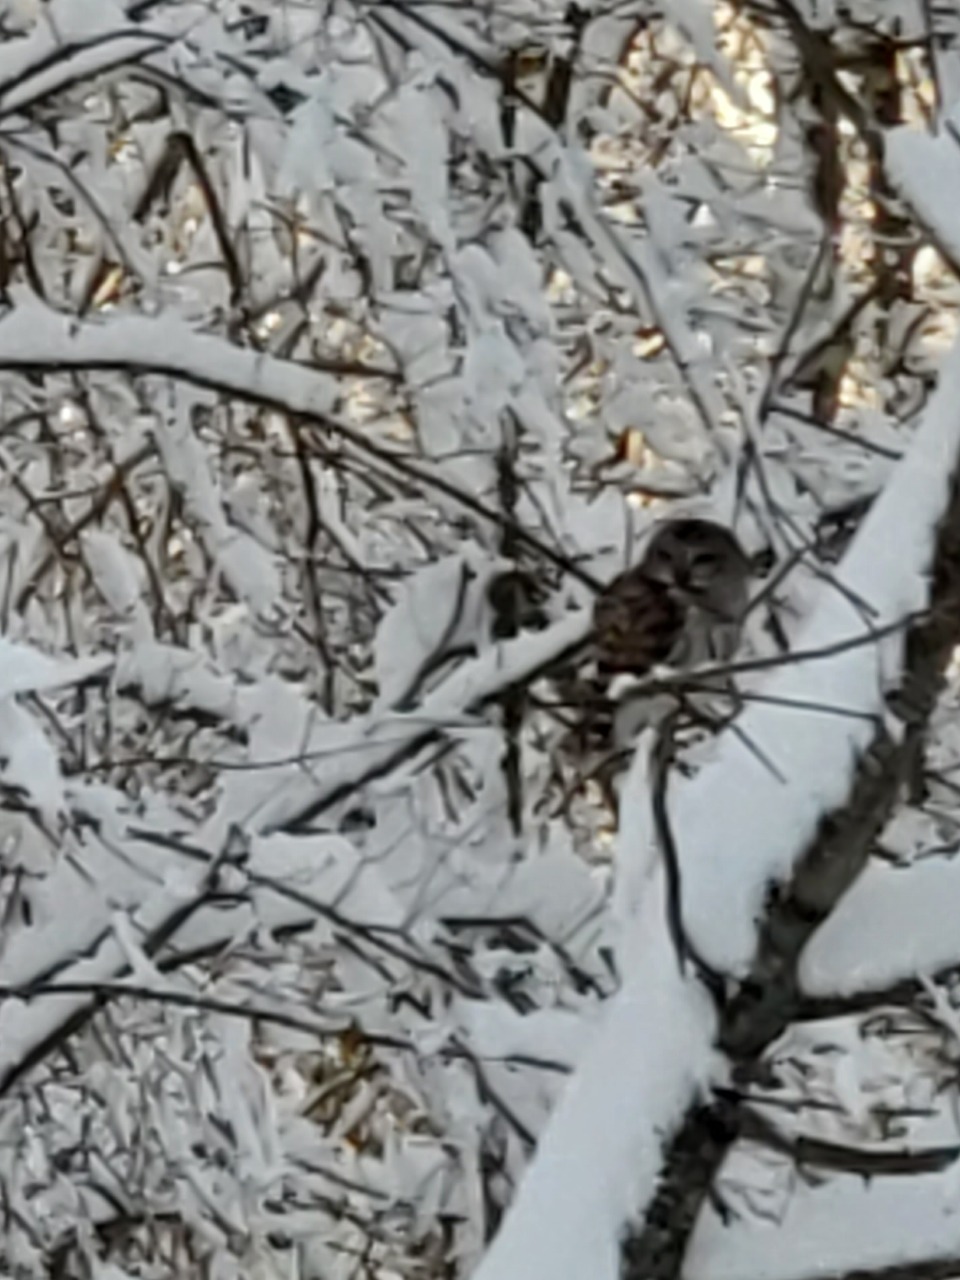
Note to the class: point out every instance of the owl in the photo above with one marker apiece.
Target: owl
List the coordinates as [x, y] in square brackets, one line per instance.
[683, 604]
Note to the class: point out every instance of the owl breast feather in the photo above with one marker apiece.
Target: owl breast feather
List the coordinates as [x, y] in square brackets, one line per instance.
[637, 624]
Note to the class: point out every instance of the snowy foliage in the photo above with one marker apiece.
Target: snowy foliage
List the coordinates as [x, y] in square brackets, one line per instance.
[344, 352]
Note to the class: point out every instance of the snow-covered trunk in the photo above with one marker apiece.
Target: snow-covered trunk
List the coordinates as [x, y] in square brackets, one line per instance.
[786, 808]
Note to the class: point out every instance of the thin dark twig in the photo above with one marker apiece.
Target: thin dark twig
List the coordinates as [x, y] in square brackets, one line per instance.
[441, 650]
[487, 1093]
[232, 851]
[359, 440]
[665, 682]
[512, 703]
[186, 999]
[792, 704]
[793, 324]
[64, 52]
[661, 759]
[85, 194]
[811, 420]
[376, 936]
[820, 1153]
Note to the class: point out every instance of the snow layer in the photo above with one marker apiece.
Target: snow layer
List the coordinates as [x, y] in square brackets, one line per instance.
[841, 1226]
[894, 924]
[740, 824]
[600, 1156]
[35, 336]
[927, 170]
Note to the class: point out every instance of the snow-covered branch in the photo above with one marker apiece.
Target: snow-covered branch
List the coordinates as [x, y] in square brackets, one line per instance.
[345, 353]
[740, 827]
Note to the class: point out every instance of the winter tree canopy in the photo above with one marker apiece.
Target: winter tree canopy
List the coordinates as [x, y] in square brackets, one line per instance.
[347, 351]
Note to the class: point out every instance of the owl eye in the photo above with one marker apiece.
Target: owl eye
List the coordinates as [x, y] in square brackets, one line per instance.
[661, 564]
[706, 560]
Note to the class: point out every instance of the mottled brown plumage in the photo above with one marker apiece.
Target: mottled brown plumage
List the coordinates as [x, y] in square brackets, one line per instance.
[683, 604]
[636, 622]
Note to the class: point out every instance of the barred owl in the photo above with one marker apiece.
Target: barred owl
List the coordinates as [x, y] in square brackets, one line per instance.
[682, 605]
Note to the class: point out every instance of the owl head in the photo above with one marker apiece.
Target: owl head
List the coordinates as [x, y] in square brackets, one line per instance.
[700, 563]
